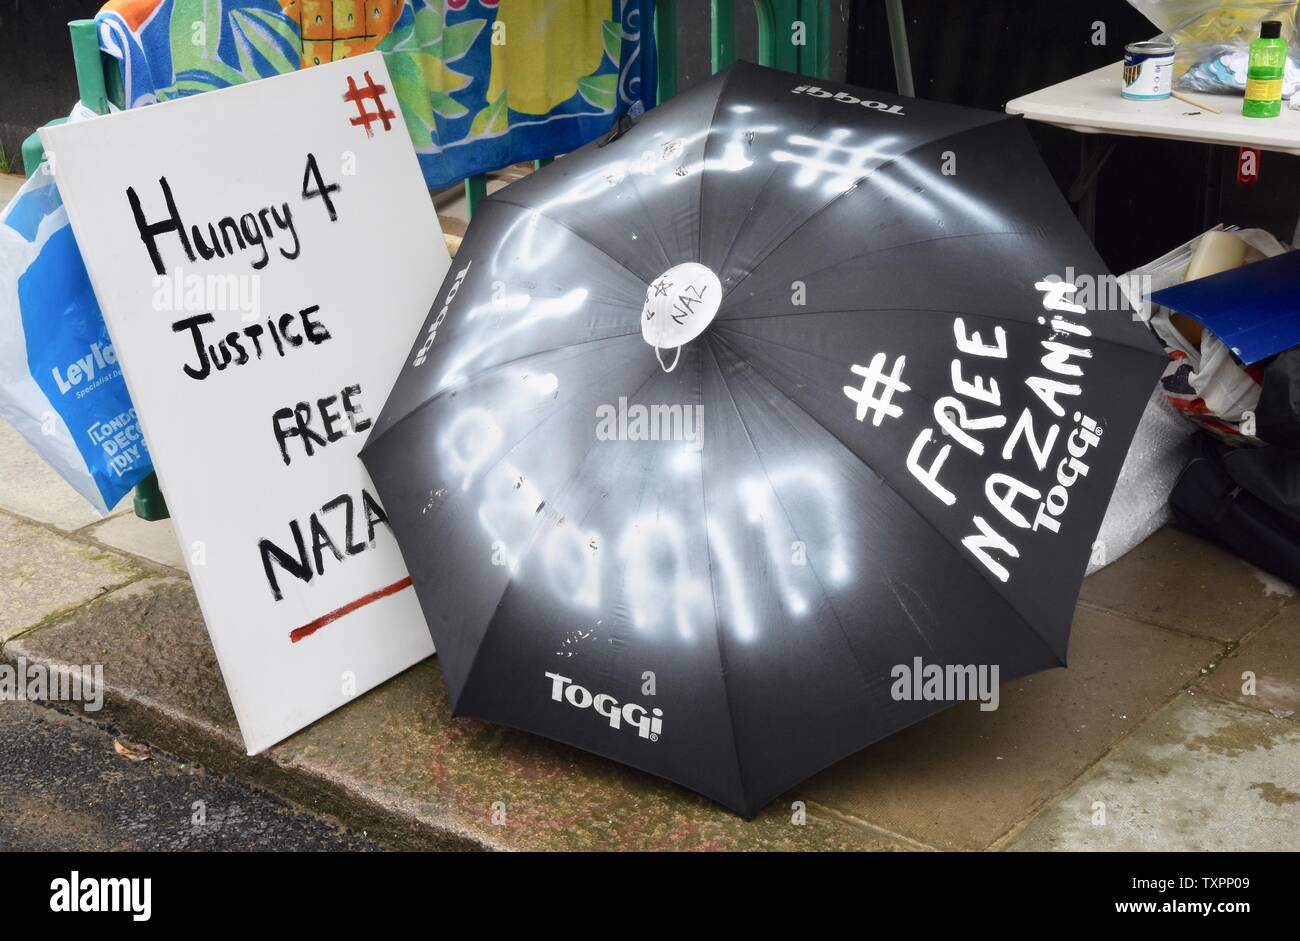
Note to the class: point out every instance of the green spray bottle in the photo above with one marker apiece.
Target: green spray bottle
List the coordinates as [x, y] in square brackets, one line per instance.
[1265, 71]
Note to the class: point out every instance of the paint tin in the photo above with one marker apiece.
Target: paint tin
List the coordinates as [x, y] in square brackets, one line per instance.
[1148, 70]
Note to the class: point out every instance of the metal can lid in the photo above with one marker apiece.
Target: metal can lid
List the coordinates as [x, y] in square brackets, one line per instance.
[1151, 47]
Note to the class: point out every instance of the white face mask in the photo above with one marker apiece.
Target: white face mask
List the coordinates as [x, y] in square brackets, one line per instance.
[679, 304]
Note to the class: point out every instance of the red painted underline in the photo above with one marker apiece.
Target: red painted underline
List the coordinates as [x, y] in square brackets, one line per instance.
[311, 627]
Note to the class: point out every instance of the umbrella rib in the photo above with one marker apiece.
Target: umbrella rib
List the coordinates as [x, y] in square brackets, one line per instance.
[852, 189]
[999, 321]
[704, 159]
[469, 672]
[789, 519]
[721, 323]
[549, 218]
[510, 362]
[889, 248]
[786, 346]
[795, 349]
[726, 324]
[912, 506]
[649, 217]
[708, 548]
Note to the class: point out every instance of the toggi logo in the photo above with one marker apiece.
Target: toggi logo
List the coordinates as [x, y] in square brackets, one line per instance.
[848, 99]
[649, 724]
[442, 315]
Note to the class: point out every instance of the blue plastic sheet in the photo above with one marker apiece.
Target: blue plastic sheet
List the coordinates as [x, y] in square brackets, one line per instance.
[1254, 310]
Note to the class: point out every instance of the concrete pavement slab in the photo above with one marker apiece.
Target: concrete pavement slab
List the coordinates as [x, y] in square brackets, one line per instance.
[151, 640]
[964, 778]
[506, 789]
[395, 763]
[33, 489]
[1187, 584]
[42, 574]
[154, 540]
[1202, 774]
[1264, 672]
[66, 790]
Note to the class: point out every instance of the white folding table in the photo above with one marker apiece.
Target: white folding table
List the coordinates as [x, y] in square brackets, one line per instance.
[1091, 104]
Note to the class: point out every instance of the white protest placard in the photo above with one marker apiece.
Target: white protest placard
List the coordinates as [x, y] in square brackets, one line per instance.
[264, 256]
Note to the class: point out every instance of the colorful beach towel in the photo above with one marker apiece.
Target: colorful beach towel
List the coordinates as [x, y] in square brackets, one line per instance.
[482, 83]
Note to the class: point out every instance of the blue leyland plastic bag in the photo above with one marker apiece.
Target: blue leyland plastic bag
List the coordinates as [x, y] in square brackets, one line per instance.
[60, 385]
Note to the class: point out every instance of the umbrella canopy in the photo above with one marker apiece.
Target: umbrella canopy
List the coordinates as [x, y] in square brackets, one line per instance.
[724, 434]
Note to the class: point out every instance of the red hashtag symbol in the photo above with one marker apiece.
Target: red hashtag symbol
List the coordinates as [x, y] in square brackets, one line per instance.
[371, 92]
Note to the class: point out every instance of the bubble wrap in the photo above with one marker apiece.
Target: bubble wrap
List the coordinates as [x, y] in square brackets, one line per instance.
[1140, 504]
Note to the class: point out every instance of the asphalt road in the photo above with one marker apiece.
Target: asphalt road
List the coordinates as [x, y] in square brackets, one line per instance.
[64, 787]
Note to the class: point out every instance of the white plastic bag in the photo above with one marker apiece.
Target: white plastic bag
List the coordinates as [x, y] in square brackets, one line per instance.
[1204, 381]
[60, 385]
[1139, 505]
[1222, 69]
[1213, 16]
[1212, 38]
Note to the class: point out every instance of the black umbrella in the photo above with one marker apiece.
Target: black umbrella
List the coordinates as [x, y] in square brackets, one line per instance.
[724, 435]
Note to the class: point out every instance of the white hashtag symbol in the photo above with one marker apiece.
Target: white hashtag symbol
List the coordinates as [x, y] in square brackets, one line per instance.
[872, 376]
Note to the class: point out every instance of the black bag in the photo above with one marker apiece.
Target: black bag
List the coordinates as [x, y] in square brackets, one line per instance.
[1272, 474]
[1277, 415]
[1255, 514]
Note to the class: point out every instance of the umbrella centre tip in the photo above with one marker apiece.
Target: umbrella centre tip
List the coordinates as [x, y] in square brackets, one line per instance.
[679, 305]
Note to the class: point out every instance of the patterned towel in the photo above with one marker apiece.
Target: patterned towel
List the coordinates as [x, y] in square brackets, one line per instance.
[481, 83]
